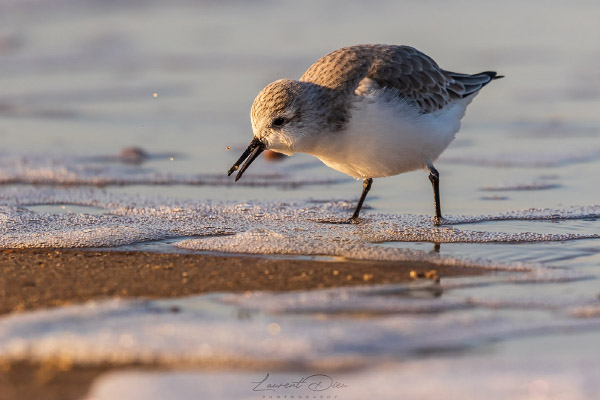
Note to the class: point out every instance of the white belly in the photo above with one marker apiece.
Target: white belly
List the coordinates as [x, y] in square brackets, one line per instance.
[386, 138]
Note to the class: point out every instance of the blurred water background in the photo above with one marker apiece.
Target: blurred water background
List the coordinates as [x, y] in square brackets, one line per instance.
[79, 78]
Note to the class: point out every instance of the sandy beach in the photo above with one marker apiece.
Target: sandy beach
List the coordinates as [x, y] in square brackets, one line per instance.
[34, 279]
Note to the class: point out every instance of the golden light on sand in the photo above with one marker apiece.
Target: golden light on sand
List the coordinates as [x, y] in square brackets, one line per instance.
[274, 328]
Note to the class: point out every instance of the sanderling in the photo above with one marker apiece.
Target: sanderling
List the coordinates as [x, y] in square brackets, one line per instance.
[369, 111]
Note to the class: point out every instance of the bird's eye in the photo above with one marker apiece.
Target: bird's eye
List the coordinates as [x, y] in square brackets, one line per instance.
[279, 121]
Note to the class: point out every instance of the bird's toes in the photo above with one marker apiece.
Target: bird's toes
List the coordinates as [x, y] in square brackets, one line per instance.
[437, 221]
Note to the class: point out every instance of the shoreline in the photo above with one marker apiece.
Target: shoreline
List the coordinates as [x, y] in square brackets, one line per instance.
[34, 279]
[39, 278]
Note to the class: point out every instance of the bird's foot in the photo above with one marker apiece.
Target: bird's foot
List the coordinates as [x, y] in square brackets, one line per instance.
[437, 221]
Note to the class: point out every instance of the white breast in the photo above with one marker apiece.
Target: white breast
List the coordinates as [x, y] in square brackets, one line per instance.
[386, 137]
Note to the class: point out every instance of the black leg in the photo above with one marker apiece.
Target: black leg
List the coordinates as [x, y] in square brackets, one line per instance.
[434, 177]
[366, 187]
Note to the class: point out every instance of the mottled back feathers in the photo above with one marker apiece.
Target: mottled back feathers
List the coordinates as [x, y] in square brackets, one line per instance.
[414, 75]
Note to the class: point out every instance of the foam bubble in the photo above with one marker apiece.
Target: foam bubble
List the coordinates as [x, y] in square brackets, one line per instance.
[204, 331]
[293, 228]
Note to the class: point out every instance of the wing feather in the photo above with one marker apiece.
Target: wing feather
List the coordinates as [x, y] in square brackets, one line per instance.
[414, 75]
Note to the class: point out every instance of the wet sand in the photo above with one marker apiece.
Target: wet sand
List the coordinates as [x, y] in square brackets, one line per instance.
[34, 279]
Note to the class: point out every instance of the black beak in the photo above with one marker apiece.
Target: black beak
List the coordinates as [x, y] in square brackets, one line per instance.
[254, 149]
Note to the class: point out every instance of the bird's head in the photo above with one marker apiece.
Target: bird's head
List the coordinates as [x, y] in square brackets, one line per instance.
[285, 115]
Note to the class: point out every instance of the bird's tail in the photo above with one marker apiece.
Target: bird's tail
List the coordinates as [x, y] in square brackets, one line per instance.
[472, 83]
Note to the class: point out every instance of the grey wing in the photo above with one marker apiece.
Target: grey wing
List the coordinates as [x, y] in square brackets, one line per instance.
[469, 84]
[413, 75]
[342, 69]
[418, 78]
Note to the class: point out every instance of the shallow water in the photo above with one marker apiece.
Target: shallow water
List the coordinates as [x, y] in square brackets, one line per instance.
[518, 189]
